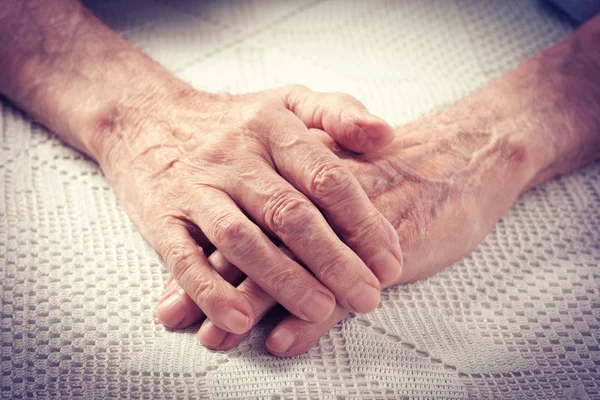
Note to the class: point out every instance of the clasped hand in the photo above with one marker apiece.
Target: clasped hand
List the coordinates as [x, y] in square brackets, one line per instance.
[244, 175]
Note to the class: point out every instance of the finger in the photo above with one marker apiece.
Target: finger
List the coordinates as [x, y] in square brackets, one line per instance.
[209, 334]
[369, 244]
[293, 336]
[247, 247]
[218, 299]
[278, 207]
[169, 280]
[340, 115]
[177, 310]
[216, 338]
[321, 176]
[227, 270]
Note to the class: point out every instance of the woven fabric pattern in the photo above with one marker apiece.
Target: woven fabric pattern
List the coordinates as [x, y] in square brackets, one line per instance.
[518, 318]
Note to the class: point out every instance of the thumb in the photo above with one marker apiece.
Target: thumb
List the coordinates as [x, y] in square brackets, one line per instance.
[342, 116]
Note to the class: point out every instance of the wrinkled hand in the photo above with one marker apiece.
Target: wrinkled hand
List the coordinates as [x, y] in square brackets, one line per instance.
[198, 170]
[442, 187]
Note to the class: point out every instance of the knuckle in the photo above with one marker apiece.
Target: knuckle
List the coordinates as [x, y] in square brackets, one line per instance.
[281, 279]
[235, 234]
[335, 269]
[329, 179]
[202, 290]
[287, 214]
[367, 230]
[180, 259]
[255, 294]
[295, 89]
[294, 96]
[221, 150]
[257, 116]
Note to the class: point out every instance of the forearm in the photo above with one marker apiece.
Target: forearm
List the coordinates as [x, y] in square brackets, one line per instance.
[70, 72]
[551, 105]
[569, 74]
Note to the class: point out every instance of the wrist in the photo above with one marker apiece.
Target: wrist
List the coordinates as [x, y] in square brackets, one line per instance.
[540, 120]
[71, 73]
[554, 98]
[490, 146]
[144, 118]
[117, 118]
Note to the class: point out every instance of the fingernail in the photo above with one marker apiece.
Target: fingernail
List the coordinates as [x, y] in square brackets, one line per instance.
[236, 321]
[211, 335]
[281, 340]
[364, 298]
[370, 120]
[166, 311]
[316, 306]
[385, 266]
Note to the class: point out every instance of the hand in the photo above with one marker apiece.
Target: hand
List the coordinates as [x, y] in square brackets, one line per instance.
[448, 178]
[195, 169]
[442, 187]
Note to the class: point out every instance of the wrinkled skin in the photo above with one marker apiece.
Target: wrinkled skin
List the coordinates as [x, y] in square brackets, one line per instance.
[191, 167]
[239, 172]
[442, 187]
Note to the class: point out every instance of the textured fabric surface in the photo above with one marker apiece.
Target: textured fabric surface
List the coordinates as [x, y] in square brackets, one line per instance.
[518, 318]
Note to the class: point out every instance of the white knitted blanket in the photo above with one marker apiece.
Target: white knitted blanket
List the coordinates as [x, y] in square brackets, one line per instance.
[518, 318]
